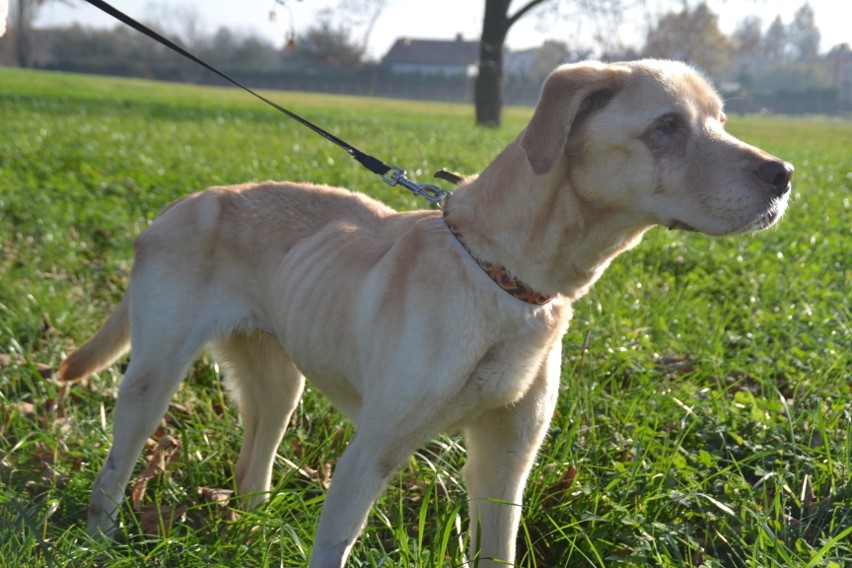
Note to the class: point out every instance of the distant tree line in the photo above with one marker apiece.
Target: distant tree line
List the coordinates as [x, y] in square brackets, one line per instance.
[780, 68]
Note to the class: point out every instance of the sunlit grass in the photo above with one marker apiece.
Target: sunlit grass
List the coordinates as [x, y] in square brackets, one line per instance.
[705, 412]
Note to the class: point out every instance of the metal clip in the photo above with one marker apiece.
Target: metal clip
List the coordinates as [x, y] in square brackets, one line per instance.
[432, 193]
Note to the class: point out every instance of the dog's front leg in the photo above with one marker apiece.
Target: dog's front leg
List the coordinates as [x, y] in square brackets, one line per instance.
[358, 480]
[501, 445]
[389, 431]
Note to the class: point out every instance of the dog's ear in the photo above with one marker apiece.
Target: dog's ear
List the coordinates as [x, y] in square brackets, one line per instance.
[570, 93]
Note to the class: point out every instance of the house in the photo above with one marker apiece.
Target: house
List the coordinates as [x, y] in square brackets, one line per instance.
[519, 63]
[838, 61]
[432, 57]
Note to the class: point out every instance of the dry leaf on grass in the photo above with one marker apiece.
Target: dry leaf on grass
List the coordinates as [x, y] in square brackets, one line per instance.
[50, 478]
[809, 502]
[675, 365]
[321, 476]
[220, 497]
[167, 450]
[6, 360]
[157, 521]
[557, 493]
[24, 408]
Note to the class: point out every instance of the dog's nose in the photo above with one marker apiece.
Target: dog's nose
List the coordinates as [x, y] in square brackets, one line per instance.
[777, 175]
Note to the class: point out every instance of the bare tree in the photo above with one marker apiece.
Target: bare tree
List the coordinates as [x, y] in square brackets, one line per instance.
[803, 35]
[22, 16]
[329, 45]
[495, 27]
[775, 41]
[747, 50]
[361, 14]
[748, 37]
[4, 13]
[488, 89]
[690, 35]
[496, 23]
[364, 13]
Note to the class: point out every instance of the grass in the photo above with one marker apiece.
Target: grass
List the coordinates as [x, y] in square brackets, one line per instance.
[704, 417]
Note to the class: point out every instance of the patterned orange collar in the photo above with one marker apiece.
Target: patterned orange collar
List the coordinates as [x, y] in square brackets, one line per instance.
[499, 274]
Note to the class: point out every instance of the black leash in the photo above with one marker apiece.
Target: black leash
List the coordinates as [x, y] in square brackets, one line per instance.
[392, 175]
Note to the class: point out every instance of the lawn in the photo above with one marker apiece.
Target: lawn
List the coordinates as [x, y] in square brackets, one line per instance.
[705, 415]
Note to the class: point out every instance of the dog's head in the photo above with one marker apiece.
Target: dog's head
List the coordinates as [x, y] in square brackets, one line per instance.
[648, 137]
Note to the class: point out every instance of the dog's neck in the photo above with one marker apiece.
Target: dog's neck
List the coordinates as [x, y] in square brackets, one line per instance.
[538, 227]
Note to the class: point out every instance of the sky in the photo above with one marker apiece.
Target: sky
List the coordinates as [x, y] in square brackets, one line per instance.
[438, 19]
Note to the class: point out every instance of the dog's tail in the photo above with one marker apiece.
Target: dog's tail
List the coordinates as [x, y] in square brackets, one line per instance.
[109, 343]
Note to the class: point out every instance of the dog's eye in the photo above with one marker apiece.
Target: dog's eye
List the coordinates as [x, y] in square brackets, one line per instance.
[667, 133]
[668, 124]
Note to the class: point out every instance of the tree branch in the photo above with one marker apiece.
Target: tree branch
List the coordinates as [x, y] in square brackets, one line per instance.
[523, 11]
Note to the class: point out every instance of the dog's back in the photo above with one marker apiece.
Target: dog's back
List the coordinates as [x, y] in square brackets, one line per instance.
[220, 228]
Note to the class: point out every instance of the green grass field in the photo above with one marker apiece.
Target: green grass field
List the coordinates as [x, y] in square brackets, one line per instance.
[705, 416]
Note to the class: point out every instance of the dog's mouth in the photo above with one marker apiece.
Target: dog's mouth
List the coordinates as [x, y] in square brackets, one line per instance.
[766, 219]
[769, 217]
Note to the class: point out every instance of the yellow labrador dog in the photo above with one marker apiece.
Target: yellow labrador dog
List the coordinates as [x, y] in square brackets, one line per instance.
[418, 323]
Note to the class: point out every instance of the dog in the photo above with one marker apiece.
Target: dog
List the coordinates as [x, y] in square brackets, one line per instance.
[429, 321]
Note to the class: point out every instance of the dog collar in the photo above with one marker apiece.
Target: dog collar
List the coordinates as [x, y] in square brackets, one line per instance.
[499, 274]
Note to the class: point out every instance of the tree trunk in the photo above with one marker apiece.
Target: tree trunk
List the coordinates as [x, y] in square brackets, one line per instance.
[488, 89]
[23, 31]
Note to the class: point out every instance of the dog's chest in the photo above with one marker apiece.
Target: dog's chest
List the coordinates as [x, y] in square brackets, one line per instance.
[507, 370]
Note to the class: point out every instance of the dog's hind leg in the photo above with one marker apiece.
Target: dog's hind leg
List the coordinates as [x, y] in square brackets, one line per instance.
[151, 379]
[267, 387]
[501, 445]
[167, 330]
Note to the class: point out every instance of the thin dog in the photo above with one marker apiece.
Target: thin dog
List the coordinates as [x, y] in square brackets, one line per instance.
[422, 322]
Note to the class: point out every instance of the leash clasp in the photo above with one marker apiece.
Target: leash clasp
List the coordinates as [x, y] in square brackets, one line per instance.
[432, 193]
